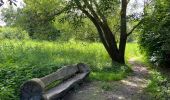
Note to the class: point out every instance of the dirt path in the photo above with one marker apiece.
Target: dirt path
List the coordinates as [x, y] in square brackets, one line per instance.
[130, 88]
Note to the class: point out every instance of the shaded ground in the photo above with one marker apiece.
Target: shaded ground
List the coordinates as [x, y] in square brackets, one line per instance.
[131, 88]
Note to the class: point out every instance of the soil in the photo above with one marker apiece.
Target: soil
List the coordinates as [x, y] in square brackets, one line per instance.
[130, 88]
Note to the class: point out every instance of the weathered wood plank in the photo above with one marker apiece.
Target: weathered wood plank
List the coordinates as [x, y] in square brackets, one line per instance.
[62, 73]
[63, 88]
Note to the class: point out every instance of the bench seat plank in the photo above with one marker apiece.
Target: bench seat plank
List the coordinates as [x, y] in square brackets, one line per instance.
[56, 92]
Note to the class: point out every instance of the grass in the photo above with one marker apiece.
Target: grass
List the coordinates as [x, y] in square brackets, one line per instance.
[132, 51]
[115, 72]
[21, 60]
[106, 86]
[159, 84]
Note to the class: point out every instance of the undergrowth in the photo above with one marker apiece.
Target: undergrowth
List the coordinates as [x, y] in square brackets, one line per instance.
[21, 60]
[159, 84]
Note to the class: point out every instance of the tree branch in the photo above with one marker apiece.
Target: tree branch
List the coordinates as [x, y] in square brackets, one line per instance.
[128, 1]
[117, 29]
[91, 17]
[10, 2]
[98, 11]
[56, 12]
[1, 2]
[134, 27]
[103, 23]
[91, 10]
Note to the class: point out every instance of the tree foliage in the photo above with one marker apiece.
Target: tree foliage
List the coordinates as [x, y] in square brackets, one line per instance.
[36, 18]
[155, 37]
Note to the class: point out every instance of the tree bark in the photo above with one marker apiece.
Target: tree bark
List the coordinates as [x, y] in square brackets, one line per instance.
[123, 31]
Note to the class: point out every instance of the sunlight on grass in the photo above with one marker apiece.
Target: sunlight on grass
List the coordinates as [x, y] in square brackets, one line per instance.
[21, 60]
[158, 86]
[133, 52]
[105, 76]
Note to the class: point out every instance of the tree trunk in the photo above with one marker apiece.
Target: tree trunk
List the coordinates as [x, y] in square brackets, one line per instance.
[106, 35]
[123, 31]
[108, 40]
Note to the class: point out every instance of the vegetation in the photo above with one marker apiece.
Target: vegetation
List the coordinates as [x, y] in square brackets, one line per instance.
[154, 41]
[24, 59]
[13, 33]
[36, 19]
[155, 37]
[159, 84]
[38, 39]
[98, 13]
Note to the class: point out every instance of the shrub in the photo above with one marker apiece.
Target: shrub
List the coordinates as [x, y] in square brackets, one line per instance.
[13, 33]
[155, 37]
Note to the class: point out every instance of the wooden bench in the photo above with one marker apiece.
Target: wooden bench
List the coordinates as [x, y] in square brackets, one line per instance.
[65, 78]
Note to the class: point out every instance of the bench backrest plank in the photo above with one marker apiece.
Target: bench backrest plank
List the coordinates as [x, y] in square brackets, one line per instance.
[63, 73]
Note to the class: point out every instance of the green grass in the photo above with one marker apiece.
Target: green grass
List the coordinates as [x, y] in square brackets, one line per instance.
[26, 59]
[115, 72]
[132, 51]
[159, 84]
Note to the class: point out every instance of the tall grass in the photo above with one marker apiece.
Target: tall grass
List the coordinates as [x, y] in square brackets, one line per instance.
[132, 51]
[21, 60]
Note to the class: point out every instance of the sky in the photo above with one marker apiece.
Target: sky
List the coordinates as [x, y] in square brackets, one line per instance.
[134, 6]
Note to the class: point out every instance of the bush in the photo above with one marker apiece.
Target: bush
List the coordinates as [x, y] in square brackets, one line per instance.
[155, 45]
[155, 37]
[13, 33]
